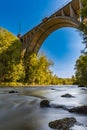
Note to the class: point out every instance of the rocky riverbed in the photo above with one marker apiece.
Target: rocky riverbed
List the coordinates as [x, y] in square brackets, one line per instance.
[43, 108]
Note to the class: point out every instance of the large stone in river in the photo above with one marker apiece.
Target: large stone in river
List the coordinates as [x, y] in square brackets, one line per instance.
[67, 95]
[80, 109]
[63, 124]
[44, 103]
[13, 91]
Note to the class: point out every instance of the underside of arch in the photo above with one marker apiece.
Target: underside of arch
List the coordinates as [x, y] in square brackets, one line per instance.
[47, 28]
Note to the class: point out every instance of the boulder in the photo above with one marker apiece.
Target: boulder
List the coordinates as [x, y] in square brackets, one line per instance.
[80, 85]
[63, 124]
[13, 91]
[80, 109]
[67, 95]
[44, 103]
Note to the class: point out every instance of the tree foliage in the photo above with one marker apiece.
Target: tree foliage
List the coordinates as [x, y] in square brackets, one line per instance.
[83, 24]
[84, 9]
[81, 63]
[11, 66]
[81, 70]
[37, 69]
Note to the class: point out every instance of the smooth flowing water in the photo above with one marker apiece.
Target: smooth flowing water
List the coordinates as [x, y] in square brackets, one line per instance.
[22, 111]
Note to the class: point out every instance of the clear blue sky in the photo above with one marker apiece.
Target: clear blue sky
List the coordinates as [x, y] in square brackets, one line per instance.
[62, 46]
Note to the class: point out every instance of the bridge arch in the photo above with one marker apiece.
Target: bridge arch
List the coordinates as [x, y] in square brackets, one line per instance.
[67, 16]
[47, 28]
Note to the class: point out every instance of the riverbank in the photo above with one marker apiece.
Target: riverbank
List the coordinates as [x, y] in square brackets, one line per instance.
[19, 84]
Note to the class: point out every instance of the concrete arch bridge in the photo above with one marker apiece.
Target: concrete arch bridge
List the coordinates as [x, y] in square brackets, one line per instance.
[67, 16]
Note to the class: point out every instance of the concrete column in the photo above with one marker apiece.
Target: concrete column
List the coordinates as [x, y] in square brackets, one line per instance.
[26, 40]
[23, 40]
[62, 13]
[23, 48]
[72, 13]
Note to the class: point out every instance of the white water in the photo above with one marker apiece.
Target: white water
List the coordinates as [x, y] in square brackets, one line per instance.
[21, 111]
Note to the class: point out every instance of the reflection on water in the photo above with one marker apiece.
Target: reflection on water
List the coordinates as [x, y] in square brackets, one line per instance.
[21, 111]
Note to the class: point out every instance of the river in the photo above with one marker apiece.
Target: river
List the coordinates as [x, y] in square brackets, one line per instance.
[22, 111]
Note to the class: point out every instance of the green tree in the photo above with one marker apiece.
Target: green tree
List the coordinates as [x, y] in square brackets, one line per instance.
[43, 70]
[30, 63]
[83, 24]
[84, 9]
[11, 64]
[81, 70]
[81, 63]
[37, 69]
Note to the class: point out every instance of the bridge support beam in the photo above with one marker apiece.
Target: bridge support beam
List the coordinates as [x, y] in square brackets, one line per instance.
[62, 12]
[72, 12]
